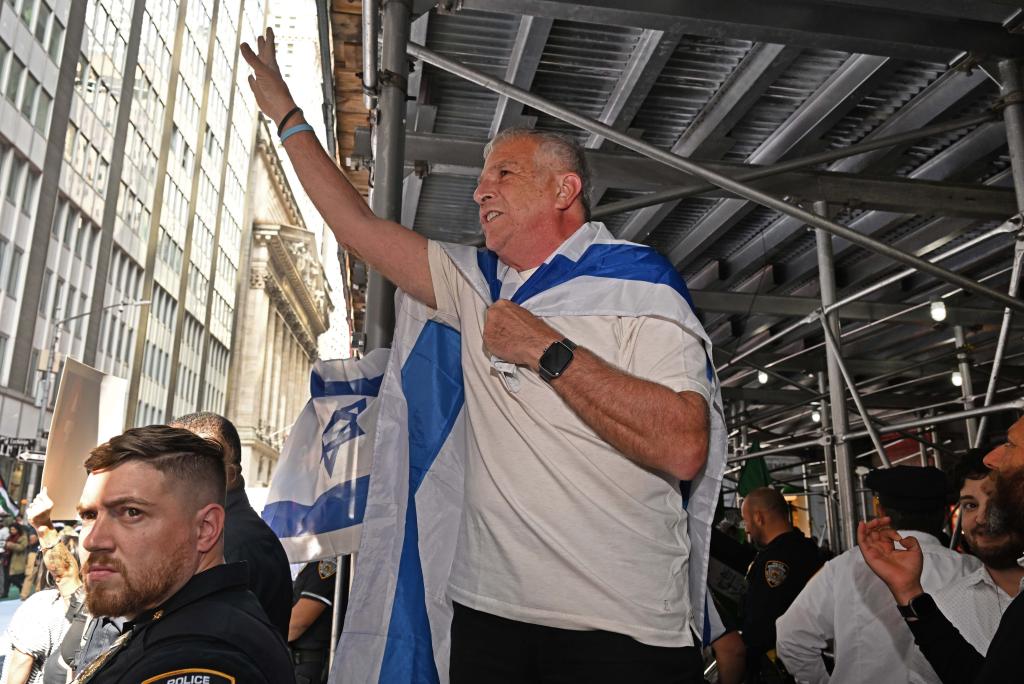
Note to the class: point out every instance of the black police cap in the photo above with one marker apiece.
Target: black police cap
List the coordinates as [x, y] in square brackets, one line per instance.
[909, 488]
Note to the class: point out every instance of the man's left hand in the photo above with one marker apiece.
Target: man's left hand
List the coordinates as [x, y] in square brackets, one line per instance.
[515, 335]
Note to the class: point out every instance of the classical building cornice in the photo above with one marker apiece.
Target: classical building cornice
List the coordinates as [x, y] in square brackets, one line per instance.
[285, 265]
[267, 153]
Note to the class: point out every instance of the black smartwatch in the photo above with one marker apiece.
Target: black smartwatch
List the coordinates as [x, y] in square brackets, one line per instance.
[556, 359]
[919, 607]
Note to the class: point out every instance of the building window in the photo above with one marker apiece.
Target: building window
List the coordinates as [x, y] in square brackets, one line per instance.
[14, 179]
[29, 196]
[58, 300]
[44, 294]
[42, 19]
[28, 96]
[3, 256]
[3, 350]
[14, 273]
[28, 10]
[43, 112]
[14, 80]
[82, 303]
[56, 40]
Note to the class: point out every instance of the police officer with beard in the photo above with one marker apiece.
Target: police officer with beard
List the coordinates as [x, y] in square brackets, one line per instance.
[153, 553]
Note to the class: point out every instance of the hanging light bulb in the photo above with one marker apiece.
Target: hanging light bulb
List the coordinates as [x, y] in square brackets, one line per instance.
[956, 378]
[938, 310]
[816, 416]
[762, 377]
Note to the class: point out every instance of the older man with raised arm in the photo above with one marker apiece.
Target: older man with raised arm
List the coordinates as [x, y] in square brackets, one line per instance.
[571, 560]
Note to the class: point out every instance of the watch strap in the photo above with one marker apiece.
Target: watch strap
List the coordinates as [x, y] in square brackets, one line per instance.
[921, 606]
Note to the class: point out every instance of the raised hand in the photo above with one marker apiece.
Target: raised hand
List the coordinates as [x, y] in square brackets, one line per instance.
[272, 94]
[38, 512]
[899, 568]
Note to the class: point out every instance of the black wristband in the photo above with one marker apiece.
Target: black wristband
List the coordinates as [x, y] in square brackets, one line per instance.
[290, 114]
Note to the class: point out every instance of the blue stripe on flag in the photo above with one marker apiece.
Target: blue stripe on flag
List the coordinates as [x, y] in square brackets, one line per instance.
[432, 384]
[488, 263]
[621, 261]
[367, 387]
[339, 507]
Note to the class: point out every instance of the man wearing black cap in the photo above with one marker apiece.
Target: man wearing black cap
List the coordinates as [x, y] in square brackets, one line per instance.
[848, 603]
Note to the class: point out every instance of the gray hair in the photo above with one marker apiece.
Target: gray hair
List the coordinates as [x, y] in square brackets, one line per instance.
[567, 152]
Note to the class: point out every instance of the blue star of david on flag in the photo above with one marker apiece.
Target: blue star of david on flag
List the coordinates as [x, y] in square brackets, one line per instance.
[341, 428]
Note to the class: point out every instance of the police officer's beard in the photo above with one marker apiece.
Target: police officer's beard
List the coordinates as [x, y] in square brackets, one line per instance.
[138, 590]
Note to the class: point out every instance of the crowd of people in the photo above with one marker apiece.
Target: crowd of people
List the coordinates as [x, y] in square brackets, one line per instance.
[573, 556]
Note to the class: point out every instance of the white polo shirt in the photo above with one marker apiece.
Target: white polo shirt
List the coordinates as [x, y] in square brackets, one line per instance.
[558, 528]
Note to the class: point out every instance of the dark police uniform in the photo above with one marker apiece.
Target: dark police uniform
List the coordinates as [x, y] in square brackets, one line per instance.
[247, 538]
[311, 649]
[777, 575]
[213, 631]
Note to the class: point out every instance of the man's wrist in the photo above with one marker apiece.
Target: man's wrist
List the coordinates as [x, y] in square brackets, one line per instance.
[906, 595]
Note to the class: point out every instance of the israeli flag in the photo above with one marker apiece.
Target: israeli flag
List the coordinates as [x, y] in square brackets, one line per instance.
[398, 619]
[318, 494]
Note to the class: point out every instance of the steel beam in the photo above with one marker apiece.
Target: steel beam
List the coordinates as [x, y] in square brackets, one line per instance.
[668, 196]
[522, 66]
[870, 30]
[658, 154]
[979, 142]
[649, 57]
[714, 301]
[748, 81]
[832, 100]
[444, 154]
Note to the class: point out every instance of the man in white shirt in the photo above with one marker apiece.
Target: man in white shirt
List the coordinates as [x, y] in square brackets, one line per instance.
[976, 603]
[571, 561]
[847, 603]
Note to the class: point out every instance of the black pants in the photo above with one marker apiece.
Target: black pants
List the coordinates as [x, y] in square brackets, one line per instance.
[487, 648]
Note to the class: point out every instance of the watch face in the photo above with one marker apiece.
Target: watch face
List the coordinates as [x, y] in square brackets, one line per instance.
[555, 359]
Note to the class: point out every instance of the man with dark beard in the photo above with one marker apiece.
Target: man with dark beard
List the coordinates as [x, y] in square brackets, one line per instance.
[952, 657]
[153, 552]
[976, 603]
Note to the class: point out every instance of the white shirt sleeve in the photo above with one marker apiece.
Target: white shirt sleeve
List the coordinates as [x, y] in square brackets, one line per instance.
[802, 631]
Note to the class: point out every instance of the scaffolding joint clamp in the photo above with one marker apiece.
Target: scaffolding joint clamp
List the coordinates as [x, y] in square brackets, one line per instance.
[1016, 97]
[390, 78]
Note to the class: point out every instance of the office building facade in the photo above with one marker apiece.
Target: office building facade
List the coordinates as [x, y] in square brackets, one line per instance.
[126, 135]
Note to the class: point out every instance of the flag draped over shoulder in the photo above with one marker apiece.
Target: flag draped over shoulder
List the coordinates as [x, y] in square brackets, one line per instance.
[318, 494]
[398, 619]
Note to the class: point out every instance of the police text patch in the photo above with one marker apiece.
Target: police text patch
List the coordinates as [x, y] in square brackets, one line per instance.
[191, 675]
[775, 573]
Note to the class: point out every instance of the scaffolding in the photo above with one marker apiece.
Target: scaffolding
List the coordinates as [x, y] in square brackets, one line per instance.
[826, 391]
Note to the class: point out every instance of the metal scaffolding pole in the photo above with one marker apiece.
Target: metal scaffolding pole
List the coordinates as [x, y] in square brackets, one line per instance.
[837, 397]
[966, 384]
[389, 162]
[682, 164]
[1013, 115]
[684, 191]
[832, 347]
[828, 453]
